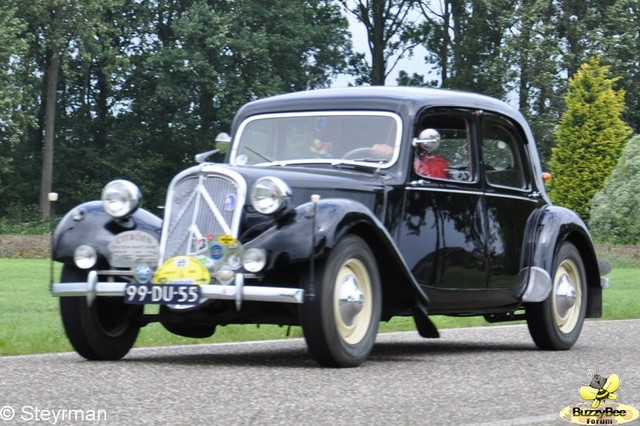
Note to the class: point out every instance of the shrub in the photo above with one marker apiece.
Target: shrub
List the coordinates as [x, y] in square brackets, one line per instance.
[615, 209]
[589, 138]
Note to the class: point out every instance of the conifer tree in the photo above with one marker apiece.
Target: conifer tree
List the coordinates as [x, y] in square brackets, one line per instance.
[589, 139]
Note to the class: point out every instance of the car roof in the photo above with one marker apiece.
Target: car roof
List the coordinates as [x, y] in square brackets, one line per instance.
[405, 100]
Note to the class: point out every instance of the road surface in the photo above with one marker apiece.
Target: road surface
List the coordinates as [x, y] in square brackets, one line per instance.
[475, 376]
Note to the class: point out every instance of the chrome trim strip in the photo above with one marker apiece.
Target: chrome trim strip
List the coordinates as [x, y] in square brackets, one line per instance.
[469, 191]
[323, 113]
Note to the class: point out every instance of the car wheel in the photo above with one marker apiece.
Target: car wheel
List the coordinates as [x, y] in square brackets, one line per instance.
[555, 323]
[102, 331]
[340, 323]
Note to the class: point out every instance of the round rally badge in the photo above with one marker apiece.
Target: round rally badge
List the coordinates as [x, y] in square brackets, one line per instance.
[217, 251]
[143, 273]
[182, 270]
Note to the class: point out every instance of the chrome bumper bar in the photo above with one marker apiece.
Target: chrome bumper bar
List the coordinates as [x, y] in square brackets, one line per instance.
[238, 291]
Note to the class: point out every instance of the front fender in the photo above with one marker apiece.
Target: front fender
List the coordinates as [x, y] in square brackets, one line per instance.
[89, 224]
[547, 229]
[317, 227]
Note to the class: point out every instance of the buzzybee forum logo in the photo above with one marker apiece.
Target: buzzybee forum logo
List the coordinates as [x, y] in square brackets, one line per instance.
[599, 408]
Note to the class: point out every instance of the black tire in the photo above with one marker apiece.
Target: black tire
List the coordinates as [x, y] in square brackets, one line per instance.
[343, 336]
[556, 323]
[102, 331]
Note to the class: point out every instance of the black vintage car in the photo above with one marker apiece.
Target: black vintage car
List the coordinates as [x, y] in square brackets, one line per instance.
[334, 210]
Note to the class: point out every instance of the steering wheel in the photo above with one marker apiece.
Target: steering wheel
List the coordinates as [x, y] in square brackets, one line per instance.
[358, 153]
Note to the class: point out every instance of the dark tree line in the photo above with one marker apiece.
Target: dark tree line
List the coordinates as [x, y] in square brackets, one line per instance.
[133, 89]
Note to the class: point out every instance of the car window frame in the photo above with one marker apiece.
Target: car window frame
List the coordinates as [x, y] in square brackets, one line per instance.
[466, 114]
[522, 153]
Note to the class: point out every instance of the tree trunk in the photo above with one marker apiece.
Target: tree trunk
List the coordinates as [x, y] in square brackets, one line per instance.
[46, 182]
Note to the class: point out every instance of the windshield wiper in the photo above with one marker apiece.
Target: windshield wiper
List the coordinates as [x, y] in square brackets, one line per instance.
[264, 157]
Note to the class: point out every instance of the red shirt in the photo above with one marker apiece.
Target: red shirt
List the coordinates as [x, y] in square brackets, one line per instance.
[431, 165]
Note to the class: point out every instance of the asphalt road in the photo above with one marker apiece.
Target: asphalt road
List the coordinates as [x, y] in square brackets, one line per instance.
[490, 375]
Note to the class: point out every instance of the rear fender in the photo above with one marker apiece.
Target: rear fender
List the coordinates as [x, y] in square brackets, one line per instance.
[547, 229]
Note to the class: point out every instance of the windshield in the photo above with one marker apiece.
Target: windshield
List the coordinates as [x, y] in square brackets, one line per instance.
[370, 138]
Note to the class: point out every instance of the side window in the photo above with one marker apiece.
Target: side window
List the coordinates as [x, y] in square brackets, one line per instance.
[442, 148]
[501, 154]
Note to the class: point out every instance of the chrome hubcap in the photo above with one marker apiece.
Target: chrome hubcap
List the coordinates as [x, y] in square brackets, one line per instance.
[353, 306]
[350, 300]
[565, 296]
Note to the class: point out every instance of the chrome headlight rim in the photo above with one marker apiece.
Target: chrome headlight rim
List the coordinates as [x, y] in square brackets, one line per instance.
[269, 195]
[121, 198]
[85, 256]
[254, 260]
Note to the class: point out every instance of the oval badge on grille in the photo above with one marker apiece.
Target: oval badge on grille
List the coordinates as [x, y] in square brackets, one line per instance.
[230, 202]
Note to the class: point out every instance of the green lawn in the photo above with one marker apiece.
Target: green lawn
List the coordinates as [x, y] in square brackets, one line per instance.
[30, 321]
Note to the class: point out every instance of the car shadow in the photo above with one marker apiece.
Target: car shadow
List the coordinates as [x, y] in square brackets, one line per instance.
[299, 357]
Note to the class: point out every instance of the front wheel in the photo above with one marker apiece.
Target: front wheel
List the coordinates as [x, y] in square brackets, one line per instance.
[340, 323]
[101, 331]
[555, 323]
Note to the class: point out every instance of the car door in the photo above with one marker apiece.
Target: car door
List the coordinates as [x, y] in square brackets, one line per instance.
[509, 197]
[442, 233]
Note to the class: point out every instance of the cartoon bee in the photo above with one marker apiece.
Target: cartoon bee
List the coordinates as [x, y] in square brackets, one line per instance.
[600, 388]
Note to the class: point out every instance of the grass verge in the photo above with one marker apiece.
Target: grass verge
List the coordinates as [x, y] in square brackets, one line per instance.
[30, 320]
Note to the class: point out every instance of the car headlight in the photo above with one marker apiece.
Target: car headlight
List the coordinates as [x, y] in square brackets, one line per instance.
[254, 260]
[120, 198]
[269, 194]
[85, 257]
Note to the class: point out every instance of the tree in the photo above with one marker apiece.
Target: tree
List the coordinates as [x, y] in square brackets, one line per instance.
[208, 59]
[616, 207]
[618, 39]
[390, 35]
[536, 79]
[12, 50]
[590, 137]
[465, 39]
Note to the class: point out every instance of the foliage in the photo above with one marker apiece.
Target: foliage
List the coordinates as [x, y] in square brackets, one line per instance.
[143, 86]
[390, 36]
[590, 137]
[615, 209]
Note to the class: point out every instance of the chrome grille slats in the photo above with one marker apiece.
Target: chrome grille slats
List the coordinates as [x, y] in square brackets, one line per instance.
[201, 201]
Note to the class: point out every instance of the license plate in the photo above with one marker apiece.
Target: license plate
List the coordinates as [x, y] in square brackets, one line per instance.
[162, 294]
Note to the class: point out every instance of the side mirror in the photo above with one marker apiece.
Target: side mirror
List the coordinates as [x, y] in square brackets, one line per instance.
[222, 142]
[223, 138]
[428, 139]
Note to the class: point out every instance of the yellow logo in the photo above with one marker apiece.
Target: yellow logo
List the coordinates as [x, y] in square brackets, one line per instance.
[598, 410]
[182, 270]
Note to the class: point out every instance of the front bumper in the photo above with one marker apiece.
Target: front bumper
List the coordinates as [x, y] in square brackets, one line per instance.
[93, 288]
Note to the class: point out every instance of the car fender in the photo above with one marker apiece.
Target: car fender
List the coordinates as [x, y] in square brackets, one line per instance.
[316, 227]
[88, 223]
[546, 229]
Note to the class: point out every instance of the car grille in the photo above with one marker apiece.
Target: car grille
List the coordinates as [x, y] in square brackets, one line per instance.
[203, 203]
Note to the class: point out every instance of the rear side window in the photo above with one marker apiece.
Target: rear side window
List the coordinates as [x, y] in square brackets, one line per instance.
[501, 152]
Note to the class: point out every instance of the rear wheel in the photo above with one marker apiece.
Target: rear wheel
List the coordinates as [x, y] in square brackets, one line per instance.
[102, 331]
[556, 323]
[340, 323]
